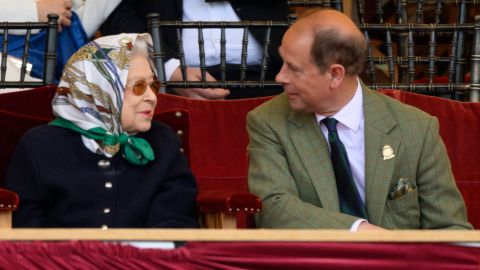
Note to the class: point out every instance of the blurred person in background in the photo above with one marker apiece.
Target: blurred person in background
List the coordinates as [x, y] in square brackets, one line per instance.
[130, 17]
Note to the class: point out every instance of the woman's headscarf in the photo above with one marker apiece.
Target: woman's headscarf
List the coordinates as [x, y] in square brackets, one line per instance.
[90, 96]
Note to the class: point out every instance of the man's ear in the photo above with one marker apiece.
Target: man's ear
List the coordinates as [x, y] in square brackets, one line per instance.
[337, 73]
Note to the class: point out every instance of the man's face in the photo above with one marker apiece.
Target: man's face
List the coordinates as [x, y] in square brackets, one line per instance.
[308, 90]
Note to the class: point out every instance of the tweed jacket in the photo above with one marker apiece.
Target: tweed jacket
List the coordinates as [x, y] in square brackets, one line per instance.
[291, 171]
[63, 184]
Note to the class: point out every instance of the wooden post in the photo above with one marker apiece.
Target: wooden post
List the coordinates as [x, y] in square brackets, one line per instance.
[5, 219]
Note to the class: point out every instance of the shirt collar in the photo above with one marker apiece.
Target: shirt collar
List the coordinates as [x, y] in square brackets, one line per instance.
[351, 114]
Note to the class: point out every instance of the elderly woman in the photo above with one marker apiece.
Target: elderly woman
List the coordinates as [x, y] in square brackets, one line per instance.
[103, 162]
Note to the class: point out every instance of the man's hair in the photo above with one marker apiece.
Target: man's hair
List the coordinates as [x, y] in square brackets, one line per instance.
[330, 46]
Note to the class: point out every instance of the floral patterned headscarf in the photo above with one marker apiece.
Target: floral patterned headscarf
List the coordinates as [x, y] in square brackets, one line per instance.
[90, 96]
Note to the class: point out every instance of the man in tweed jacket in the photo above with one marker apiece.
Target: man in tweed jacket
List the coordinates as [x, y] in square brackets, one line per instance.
[398, 161]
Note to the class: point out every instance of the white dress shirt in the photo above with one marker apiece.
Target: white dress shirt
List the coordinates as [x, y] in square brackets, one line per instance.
[351, 132]
[199, 10]
[18, 11]
[93, 13]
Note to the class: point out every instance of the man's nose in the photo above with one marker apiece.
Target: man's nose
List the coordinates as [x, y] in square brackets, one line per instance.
[281, 77]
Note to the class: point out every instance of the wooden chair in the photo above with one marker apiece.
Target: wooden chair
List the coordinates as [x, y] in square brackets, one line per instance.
[220, 206]
[215, 149]
[421, 46]
[399, 11]
[49, 55]
[217, 142]
[403, 64]
[8, 203]
[231, 76]
[419, 12]
[17, 117]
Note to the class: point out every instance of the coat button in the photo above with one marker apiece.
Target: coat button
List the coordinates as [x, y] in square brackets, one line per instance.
[103, 164]
[108, 185]
[106, 210]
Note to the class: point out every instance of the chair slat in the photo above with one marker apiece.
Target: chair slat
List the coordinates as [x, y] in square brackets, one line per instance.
[26, 48]
[438, 11]
[181, 55]
[390, 59]
[361, 11]
[379, 10]
[370, 62]
[158, 48]
[431, 56]
[243, 65]
[265, 54]
[475, 64]
[223, 55]
[201, 47]
[50, 50]
[4, 54]
[401, 12]
[411, 57]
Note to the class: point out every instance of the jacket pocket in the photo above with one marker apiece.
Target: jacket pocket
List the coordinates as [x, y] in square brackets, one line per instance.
[404, 212]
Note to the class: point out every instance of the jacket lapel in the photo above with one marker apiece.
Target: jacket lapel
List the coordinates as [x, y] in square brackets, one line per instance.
[312, 149]
[379, 166]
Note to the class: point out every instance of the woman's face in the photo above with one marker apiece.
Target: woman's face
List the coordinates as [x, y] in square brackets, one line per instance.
[138, 107]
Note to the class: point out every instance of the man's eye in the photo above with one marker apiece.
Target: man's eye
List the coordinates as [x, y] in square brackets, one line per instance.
[294, 69]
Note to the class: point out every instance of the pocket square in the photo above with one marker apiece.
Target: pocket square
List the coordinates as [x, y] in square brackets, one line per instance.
[402, 187]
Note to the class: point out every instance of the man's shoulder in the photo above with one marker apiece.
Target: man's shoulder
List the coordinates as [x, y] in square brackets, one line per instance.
[403, 112]
[275, 107]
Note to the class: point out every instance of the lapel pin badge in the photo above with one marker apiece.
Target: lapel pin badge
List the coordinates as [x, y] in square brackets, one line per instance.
[387, 152]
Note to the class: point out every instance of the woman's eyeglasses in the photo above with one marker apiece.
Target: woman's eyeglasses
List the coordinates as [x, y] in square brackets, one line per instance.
[139, 87]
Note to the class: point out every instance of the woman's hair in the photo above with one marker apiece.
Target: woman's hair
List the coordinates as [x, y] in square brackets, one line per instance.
[142, 46]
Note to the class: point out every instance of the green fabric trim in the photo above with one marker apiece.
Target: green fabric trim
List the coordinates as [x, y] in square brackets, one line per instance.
[137, 151]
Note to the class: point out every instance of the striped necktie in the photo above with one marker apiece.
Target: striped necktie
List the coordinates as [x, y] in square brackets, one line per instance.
[349, 198]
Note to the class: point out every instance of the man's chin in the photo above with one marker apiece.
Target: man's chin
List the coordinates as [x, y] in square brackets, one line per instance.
[296, 105]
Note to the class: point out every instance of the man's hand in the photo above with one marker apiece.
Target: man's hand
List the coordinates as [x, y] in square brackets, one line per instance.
[60, 7]
[365, 226]
[195, 74]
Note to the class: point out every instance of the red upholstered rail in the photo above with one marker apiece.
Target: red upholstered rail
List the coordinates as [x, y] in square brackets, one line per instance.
[239, 255]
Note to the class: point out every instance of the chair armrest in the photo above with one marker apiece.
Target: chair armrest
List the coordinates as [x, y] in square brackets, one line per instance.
[228, 203]
[8, 202]
[220, 208]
